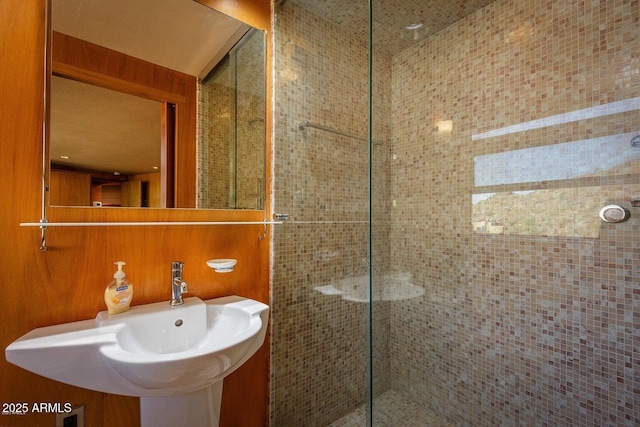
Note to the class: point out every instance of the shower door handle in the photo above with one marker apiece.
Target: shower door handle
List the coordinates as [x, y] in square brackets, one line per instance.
[281, 216]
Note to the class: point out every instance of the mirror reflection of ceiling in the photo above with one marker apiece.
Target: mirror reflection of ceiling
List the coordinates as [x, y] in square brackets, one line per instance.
[396, 23]
[182, 35]
[87, 120]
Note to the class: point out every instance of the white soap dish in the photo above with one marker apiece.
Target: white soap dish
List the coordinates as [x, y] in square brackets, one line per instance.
[222, 265]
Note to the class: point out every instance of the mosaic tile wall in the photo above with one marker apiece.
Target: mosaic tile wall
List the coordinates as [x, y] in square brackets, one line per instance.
[538, 324]
[231, 131]
[251, 127]
[214, 125]
[529, 310]
[321, 256]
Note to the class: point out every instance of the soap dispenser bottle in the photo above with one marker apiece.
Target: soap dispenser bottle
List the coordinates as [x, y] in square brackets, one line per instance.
[119, 291]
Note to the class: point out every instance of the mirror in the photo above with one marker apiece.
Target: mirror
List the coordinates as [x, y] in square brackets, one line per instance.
[155, 105]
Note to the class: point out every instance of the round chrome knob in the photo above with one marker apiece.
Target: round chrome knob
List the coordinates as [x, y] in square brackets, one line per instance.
[614, 214]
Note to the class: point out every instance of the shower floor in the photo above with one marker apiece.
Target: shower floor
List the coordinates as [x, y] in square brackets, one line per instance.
[390, 409]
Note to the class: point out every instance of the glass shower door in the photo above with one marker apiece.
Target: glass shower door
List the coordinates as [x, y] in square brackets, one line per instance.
[321, 254]
[512, 124]
[444, 165]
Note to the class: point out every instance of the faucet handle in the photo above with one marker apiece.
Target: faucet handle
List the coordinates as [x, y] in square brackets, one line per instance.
[183, 287]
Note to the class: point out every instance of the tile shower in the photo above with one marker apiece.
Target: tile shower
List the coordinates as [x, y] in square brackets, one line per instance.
[499, 130]
[231, 110]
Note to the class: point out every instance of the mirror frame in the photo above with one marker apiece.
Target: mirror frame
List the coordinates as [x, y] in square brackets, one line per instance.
[255, 15]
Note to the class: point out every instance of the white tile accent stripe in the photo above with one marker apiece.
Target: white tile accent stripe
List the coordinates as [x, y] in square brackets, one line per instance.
[573, 116]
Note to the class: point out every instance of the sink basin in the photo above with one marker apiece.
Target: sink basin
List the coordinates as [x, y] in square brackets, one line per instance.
[152, 350]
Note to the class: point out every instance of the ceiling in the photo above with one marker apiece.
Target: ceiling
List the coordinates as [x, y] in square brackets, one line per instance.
[93, 128]
[182, 35]
[392, 17]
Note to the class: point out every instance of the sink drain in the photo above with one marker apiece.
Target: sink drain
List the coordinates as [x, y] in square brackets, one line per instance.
[178, 322]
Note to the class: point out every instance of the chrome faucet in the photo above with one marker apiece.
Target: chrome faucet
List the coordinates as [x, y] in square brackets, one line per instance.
[178, 286]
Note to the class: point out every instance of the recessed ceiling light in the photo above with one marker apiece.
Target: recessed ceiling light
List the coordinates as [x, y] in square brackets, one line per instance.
[414, 31]
[64, 157]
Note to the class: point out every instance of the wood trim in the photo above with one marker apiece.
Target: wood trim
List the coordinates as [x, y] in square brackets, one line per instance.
[256, 13]
[98, 79]
[74, 214]
[168, 158]
[113, 65]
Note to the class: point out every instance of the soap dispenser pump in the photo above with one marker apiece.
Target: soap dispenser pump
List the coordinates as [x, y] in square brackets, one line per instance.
[119, 291]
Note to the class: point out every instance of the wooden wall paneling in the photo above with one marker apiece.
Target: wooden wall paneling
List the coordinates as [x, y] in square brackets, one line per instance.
[67, 282]
[153, 187]
[132, 194]
[168, 157]
[120, 411]
[109, 194]
[23, 277]
[69, 188]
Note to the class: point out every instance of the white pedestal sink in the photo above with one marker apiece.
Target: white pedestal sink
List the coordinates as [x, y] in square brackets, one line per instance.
[173, 358]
